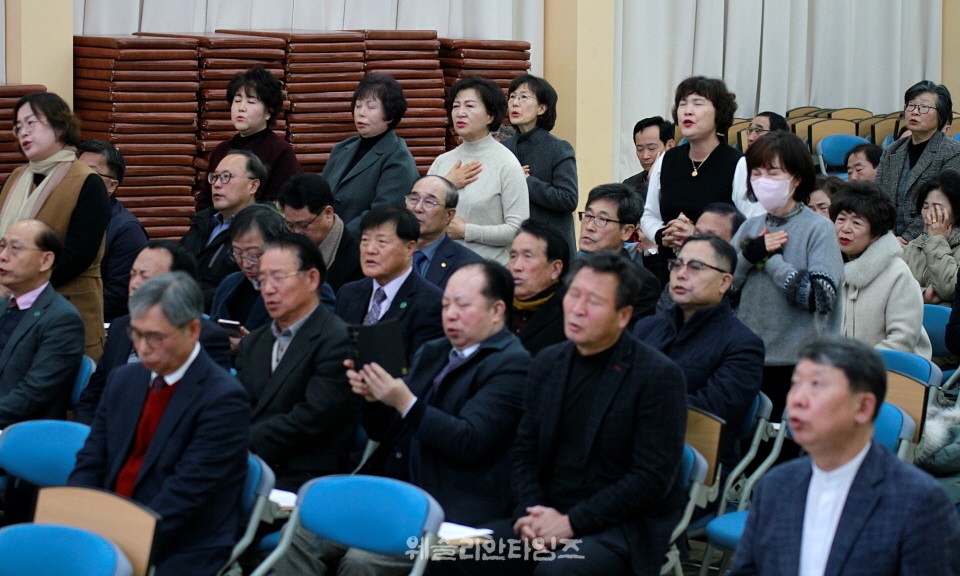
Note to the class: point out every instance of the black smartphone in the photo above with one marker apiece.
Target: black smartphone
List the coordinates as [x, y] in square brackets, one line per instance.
[231, 327]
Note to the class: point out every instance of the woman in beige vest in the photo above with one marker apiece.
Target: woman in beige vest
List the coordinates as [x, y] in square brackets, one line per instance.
[60, 190]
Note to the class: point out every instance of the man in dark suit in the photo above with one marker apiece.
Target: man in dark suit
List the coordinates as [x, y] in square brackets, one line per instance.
[41, 333]
[539, 256]
[172, 432]
[391, 290]
[652, 136]
[159, 257]
[304, 420]
[125, 236]
[433, 201]
[307, 204]
[596, 462]
[448, 426]
[235, 182]
[610, 219]
[850, 508]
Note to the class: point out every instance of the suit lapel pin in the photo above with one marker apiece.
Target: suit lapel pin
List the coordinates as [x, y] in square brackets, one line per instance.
[36, 314]
[403, 305]
[617, 368]
[443, 264]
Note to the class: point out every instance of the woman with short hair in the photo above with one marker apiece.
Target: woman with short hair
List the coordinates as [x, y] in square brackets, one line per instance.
[933, 256]
[882, 302]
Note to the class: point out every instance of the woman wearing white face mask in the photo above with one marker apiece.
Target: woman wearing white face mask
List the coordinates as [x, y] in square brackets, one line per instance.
[789, 270]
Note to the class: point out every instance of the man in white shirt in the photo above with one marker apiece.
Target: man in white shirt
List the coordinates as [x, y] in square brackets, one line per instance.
[850, 508]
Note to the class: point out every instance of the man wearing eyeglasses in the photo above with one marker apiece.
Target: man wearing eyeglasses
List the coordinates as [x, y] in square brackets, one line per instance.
[172, 432]
[608, 221]
[235, 183]
[721, 358]
[765, 122]
[41, 333]
[433, 201]
[125, 236]
[305, 417]
[306, 201]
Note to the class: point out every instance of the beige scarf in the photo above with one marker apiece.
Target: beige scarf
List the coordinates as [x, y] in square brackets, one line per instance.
[21, 203]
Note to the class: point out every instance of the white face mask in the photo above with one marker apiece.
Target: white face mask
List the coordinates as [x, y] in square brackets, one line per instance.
[772, 194]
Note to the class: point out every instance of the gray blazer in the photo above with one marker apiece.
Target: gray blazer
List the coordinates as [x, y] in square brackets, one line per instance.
[40, 361]
[383, 176]
[942, 153]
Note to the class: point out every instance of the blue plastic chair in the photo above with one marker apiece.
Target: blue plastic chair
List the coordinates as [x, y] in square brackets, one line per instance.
[47, 550]
[379, 515]
[42, 452]
[87, 367]
[693, 474]
[253, 502]
[916, 367]
[935, 318]
[832, 151]
[892, 428]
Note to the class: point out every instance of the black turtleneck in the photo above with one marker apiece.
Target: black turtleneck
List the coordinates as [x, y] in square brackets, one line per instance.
[366, 144]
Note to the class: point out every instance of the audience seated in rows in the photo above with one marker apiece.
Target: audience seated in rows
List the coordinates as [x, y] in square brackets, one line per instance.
[307, 205]
[850, 506]
[235, 182]
[433, 201]
[172, 432]
[159, 257]
[450, 424]
[721, 359]
[909, 162]
[304, 418]
[391, 289]
[539, 257]
[882, 301]
[125, 236]
[933, 255]
[41, 333]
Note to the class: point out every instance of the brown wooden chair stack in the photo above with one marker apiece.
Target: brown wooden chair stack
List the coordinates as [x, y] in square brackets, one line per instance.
[10, 155]
[322, 69]
[498, 60]
[221, 57]
[140, 94]
[411, 56]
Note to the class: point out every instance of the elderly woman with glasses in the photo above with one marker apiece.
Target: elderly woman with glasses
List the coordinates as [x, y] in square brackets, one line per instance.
[548, 162]
[908, 163]
[64, 192]
[491, 207]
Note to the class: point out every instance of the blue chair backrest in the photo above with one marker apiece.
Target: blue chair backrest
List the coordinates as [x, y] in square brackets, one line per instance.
[87, 366]
[380, 515]
[834, 148]
[887, 426]
[888, 140]
[260, 480]
[935, 318]
[50, 550]
[42, 452]
[956, 136]
[908, 364]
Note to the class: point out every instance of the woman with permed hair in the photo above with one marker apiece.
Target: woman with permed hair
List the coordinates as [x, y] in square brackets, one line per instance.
[256, 100]
[492, 207]
[373, 168]
[934, 255]
[703, 170]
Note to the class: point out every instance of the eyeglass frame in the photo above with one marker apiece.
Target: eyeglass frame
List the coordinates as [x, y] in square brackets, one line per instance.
[294, 226]
[153, 339]
[757, 131]
[918, 108]
[680, 263]
[251, 259]
[428, 204]
[276, 279]
[18, 128]
[16, 249]
[212, 177]
[523, 98]
[599, 221]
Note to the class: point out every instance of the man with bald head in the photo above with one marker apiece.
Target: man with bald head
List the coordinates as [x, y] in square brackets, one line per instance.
[41, 333]
[433, 201]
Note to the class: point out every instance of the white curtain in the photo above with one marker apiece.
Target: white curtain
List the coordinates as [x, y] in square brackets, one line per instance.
[774, 54]
[486, 19]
